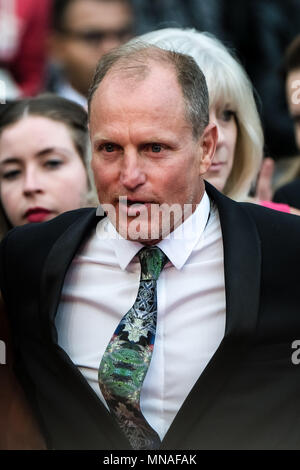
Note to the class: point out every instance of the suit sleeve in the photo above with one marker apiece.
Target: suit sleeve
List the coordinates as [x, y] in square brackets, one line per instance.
[18, 430]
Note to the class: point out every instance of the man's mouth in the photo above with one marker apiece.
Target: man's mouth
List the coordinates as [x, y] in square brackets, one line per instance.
[135, 207]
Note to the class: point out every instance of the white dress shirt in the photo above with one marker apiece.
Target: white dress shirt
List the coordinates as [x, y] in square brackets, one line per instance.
[101, 285]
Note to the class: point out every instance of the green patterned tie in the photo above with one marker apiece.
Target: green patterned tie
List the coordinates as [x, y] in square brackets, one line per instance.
[127, 357]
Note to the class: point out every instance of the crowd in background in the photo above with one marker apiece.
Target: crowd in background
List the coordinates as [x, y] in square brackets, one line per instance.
[54, 46]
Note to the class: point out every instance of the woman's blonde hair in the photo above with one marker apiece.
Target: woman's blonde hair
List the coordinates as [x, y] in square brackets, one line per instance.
[227, 83]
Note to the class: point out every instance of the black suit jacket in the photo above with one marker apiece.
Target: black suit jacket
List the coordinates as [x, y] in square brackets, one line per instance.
[289, 194]
[248, 397]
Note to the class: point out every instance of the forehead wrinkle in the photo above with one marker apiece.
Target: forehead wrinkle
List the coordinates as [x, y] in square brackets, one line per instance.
[120, 98]
[139, 128]
[138, 72]
[147, 93]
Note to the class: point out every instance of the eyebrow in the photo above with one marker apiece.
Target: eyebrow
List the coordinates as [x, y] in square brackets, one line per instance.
[41, 153]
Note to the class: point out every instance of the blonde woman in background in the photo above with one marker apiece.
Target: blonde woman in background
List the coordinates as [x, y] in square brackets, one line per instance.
[239, 152]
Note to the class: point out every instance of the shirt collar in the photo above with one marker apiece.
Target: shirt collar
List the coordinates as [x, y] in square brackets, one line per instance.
[178, 246]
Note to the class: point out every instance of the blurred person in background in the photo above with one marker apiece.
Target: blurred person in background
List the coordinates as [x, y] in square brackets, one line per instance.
[238, 158]
[84, 30]
[43, 160]
[290, 193]
[24, 26]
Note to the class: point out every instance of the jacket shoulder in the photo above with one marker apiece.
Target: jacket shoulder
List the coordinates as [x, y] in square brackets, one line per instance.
[273, 224]
[45, 233]
[268, 222]
[24, 249]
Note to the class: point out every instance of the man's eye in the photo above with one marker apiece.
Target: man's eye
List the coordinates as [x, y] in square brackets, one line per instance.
[156, 148]
[109, 147]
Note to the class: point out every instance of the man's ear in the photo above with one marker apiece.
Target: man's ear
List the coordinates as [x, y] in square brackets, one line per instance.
[208, 143]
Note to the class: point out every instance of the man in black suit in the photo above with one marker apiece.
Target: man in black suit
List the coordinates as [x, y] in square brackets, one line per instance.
[222, 374]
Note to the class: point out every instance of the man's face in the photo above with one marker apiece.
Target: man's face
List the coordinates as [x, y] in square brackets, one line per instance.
[92, 28]
[293, 98]
[143, 149]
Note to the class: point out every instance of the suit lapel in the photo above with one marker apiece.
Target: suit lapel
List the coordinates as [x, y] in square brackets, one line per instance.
[242, 260]
[52, 280]
[242, 265]
[56, 266]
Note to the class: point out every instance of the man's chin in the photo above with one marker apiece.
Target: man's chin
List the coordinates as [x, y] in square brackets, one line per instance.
[140, 232]
[145, 231]
[146, 242]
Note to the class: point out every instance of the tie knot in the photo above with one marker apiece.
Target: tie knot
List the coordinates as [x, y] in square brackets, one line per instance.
[152, 261]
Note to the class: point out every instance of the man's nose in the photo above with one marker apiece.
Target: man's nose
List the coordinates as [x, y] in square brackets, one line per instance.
[32, 182]
[132, 173]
